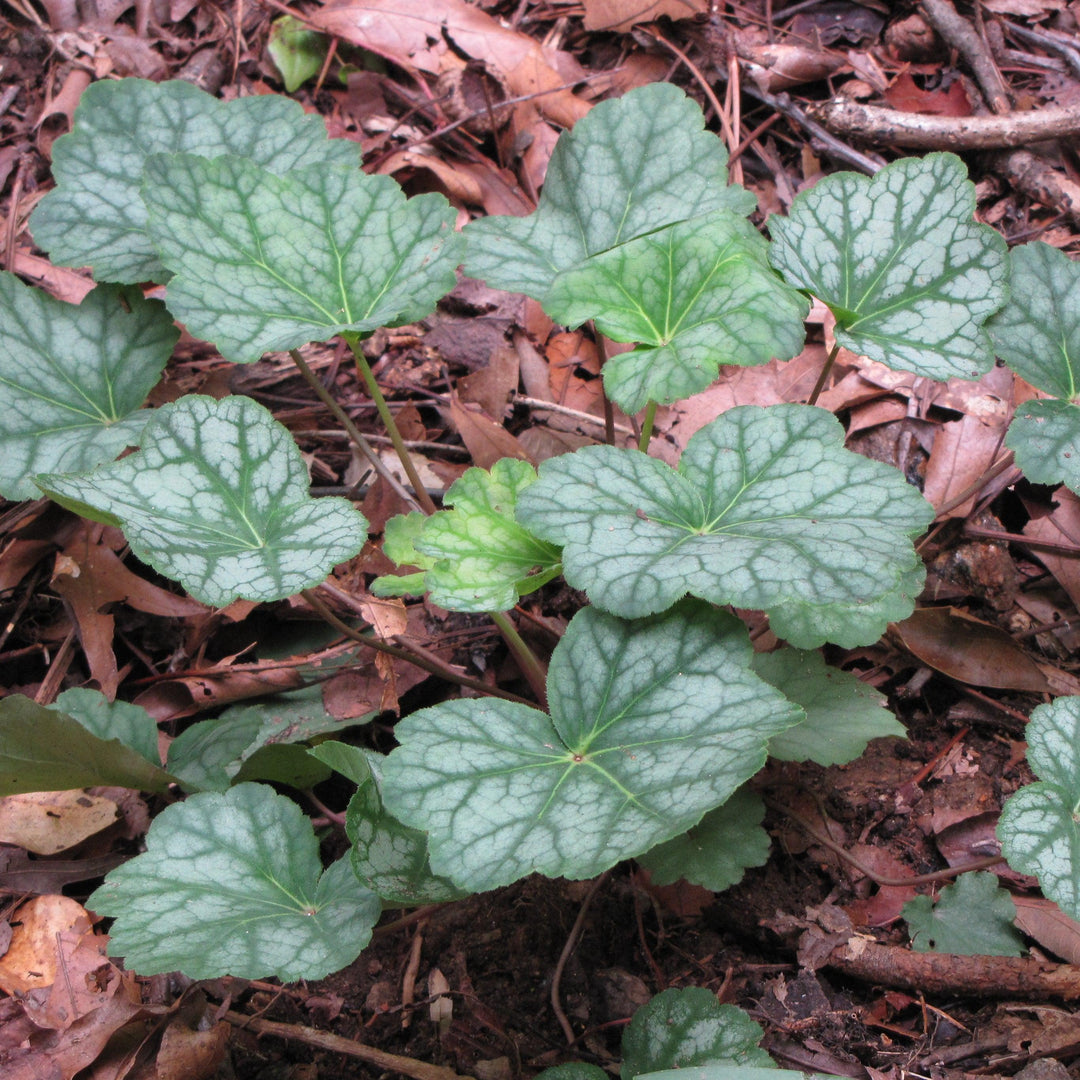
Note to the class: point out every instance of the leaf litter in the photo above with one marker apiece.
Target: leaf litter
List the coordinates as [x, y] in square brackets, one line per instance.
[83, 609]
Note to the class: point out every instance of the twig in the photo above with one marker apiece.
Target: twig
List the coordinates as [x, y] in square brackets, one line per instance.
[563, 410]
[335, 1044]
[564, 956]
[945, 973]
[1039, 180]
[782, 103]
[1067, 49]
[962, 36]
[920, 132]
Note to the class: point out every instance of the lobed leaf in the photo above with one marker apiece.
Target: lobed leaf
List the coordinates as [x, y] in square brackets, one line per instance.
[900, 261]
[231, 884]
[504, 790]
[74, 378]
[681, 1029]
[842, 712]
[766, 510]
[695, 295]
[217, 499]
[1039, 828]
[716, 852]
[1038, 335]
[265, 262]
[95, 217]
[972, 917]
[630, 166]
[482, 559]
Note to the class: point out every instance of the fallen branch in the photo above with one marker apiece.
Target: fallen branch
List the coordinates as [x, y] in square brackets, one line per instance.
[324, 1040]
[1040, 181]
[920, 132]
[945, 973]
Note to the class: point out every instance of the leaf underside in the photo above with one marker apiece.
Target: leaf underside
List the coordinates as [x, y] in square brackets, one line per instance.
[901, 262]
[504, 790]
[95, 217]
[217, 499]
[766, 510]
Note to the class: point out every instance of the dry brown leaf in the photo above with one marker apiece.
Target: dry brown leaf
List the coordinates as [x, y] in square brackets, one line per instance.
[46, 822]
[64, 284]
[492, 385]
[31, 961]
[619, 16]
[777, 66]
[21, 874]
[485, 440]
[418, 33]
[1062, 526]
[187, 695]
[474, 183]
[969, 650]
[188, 1054]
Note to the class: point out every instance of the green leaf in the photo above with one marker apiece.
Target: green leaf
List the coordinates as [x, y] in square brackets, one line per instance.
[257, 742]
[43, 749]
[265, 262]
[217, 499]
[131, 724]
[481, 558]
[298, 53]
[399, 544]
[972, 917]
[232, 884]
[678, 1029]
[630, 166]
[695, 295]
[899, 259]
[842, 712]
[95, 217]
[344, 758]
[74, 378]
[766, 510]
[504, 790]
[717, 851]
[734, 1072]
[1039, 826]
[1038, 335]
[573, 1070]
[390, 858]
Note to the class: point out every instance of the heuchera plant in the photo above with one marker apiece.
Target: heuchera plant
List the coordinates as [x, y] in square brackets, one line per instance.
[268, 236]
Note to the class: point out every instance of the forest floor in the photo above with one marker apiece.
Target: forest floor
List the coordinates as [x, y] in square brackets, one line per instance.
[488, 376]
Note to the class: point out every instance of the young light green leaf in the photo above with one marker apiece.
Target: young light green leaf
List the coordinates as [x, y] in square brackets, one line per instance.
[231, 884]
[131, 724]
[1037, 334]
[972, 917]
[399, 543]
[482, 559]
[717, 851]
[680, 1029]
[695, 295]
[265, 262]
[298, 53]
[504, 790]
[1039, 828]
[573, 1070]
[766, 510]
[218, 500]
[95, 217]
[257, 742]
[74, 378]
[899, 259]
[842, 712]
[388, 857]
[44, 749]
[351, 761]
[630, 166]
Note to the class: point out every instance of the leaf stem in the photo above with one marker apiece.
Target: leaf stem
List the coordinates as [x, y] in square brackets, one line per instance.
[362, 366]
[530, 664]
[435, 667]
[647, 427]
[353, 431]
[826, 370]
[609, 411]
